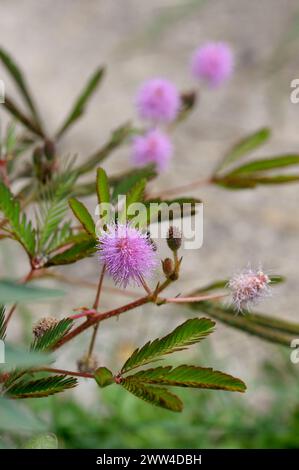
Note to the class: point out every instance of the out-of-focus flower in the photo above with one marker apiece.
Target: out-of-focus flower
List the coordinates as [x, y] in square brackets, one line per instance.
[213, 62]
[127, 254]
[248, 287]
[158, 100]
[153, 147]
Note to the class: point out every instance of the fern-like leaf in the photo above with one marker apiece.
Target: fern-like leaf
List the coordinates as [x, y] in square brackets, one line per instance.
[21, 228]
[53, 208]
[155, 395]
[190, 332]
[189, 376]
[41, 387]
[52, 335]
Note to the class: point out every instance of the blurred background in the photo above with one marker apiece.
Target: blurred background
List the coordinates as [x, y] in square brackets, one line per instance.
[58, 45]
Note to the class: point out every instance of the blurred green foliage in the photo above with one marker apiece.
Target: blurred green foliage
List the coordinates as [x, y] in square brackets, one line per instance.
[210, 420]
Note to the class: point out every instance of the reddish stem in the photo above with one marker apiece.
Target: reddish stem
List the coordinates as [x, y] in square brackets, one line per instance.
[100, 317]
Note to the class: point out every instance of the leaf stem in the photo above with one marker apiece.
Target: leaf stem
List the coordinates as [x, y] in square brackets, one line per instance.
[64, 372]
[95, 306]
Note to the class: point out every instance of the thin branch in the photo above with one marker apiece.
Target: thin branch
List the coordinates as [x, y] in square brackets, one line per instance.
[100, 317]
[95, 306]
[199, 298]
[180, 189]
[64, 372]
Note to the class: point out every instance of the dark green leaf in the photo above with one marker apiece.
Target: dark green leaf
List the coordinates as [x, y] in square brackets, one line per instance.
[82, 214]
[15, 111]
[81, 102]
[10, 292]
[52, 335]
[190, 376]
[155, 395]
[75, 250]
[102, 186]
[22, 229]
[103, 377]
[41, 387]
[263, 326]
[266, 164]
[118, 137]
[246, 145]
[190, 332]
[19, 79]
[128, 181]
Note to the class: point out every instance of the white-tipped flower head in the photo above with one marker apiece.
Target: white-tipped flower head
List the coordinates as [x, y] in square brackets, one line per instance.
[248, 287]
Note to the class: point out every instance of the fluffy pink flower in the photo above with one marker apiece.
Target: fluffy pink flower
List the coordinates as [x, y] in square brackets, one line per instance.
[153, 147]
[213, 62]
[127, 253]
[248, 287]
[158, 100]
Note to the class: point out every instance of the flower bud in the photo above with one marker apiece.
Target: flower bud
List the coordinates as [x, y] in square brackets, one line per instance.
[87, 364]
[168, 267]
[174, 238]
[43, 325]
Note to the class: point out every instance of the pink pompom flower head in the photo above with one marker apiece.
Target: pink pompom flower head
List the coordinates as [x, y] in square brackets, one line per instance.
[127, 253]
[213, 62]
[152, 147]
[248, 287]
[158, 101]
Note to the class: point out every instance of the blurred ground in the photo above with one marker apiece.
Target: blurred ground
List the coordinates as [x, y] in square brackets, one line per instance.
[58, 44]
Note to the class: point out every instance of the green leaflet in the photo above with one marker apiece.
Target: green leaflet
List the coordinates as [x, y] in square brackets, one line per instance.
[155, 395]
[19, 80]
[250, 182]
[41, 387]
[244, 146]
[125, 184]
[264, 164]
[52, 336]
[82, 214]
[190, 332]
[15, 111]
[102, 186]
[21, 228]
[81, 102]
[118, 137]
[190, 376]
[80, 248]
[263, 326]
